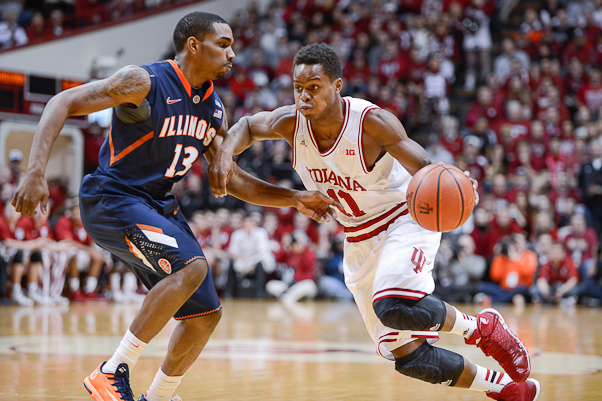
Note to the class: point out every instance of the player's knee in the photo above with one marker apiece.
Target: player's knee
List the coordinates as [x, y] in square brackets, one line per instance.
[195, 272]
[431, 364]
[427, 313]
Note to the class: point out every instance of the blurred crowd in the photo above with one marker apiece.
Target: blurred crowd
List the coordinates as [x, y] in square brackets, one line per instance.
[512, 95]
[34, 21]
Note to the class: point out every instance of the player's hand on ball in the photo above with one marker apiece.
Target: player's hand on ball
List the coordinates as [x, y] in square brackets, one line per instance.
[475, 186]
[316, 206]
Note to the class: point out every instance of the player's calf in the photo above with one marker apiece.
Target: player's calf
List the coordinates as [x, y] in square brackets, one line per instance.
[427, 313]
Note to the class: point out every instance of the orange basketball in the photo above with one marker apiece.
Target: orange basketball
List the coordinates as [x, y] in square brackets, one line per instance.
[440, 197]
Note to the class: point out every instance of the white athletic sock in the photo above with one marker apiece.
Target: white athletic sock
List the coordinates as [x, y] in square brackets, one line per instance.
[32, 288]
[464, 324]
[74, 284]
[115, 282]
[129, 351]
[17, 288]
[162, 387]
[91, 283]
[130, 282]
[488, 380]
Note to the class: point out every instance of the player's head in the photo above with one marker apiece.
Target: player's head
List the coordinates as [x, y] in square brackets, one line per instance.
[317, 79]
[207, 38]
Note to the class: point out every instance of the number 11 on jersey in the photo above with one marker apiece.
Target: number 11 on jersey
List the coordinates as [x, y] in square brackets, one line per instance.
[348, 200]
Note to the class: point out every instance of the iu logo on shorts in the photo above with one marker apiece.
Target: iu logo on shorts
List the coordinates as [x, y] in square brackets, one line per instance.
[418, 259]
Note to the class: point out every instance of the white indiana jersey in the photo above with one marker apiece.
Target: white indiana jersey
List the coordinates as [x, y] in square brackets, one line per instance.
[373, 199]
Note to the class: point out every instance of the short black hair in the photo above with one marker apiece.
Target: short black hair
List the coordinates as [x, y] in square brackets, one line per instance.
[197, 24]
[320, 53]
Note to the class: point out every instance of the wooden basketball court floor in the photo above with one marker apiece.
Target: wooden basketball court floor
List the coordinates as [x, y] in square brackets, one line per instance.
[266, 350]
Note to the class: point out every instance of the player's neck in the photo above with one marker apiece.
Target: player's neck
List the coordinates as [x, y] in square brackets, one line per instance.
[329, 125]
[194, 77]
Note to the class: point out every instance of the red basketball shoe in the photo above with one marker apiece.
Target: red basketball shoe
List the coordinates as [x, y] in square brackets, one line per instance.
[527, 391]
[495, 339]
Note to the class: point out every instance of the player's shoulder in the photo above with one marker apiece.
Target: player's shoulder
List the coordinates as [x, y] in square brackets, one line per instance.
[283, 120]
[358, 104]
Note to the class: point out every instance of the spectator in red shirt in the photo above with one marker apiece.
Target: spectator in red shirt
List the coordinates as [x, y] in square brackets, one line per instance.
[392, 65]
[296, 255]
[85, 256]
[578, 47]
[483, 107]
[590, 94]
[51, 254]
[25, 259]
[557, 279]
[504, 224]
[581, 241]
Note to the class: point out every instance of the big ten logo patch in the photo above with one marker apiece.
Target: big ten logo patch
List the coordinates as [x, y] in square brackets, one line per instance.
[418, 259]
[424, 207]
[165, 265]
[347, 152]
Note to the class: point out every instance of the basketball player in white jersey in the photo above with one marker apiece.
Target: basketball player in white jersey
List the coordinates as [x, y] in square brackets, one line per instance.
[361, 156]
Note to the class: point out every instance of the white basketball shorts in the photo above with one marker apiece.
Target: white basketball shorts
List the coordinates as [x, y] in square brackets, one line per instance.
[397, 263]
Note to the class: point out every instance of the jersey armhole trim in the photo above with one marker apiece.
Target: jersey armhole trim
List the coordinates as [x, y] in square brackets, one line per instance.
[152, 92]
[360, 142]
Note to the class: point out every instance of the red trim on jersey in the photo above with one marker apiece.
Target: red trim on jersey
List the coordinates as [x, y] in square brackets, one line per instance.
[182, 77]
[360, 137]
[434, 335]
[209, 91]
[127, 150]
[150, 228]
[374, 220]
[393, 333]
[376, 231]
[339, 137]
[395, 293]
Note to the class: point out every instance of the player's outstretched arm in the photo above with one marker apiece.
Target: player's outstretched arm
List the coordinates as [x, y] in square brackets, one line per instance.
[246, 187]
[277, 124]
[129, 85]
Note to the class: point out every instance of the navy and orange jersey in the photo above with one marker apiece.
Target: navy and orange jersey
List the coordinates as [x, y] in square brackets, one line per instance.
[154, 154]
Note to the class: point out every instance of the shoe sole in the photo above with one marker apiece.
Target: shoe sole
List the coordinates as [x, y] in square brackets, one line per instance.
[91, 390]
[496, 312]
[537, 388]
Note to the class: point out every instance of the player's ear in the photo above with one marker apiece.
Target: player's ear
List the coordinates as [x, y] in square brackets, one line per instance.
[193, 44]
[338, 85]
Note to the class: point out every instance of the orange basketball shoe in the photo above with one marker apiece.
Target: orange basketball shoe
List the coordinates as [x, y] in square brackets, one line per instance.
[495, 339]
[109, 386]
[527, 391]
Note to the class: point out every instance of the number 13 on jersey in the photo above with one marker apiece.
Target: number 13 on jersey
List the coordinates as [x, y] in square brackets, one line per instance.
[190, 155]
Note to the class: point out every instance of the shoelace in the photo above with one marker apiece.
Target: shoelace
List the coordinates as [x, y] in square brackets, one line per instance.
[487, 346]
[123, 387]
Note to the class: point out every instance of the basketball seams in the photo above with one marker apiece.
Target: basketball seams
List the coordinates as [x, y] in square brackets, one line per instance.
[459, 190]
[439, 198]
[418, 189]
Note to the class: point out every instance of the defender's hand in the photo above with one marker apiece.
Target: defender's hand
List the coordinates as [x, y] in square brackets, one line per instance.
[316, 206]
[32, 190]
[220, 172]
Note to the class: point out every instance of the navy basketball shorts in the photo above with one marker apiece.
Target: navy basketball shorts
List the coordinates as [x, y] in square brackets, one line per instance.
[151, 237]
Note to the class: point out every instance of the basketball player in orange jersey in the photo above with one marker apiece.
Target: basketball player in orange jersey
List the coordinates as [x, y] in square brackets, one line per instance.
[166, 115]
[361, 155]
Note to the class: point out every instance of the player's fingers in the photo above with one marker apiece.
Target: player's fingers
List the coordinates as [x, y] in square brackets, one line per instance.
[477, 197]
[44, 205]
